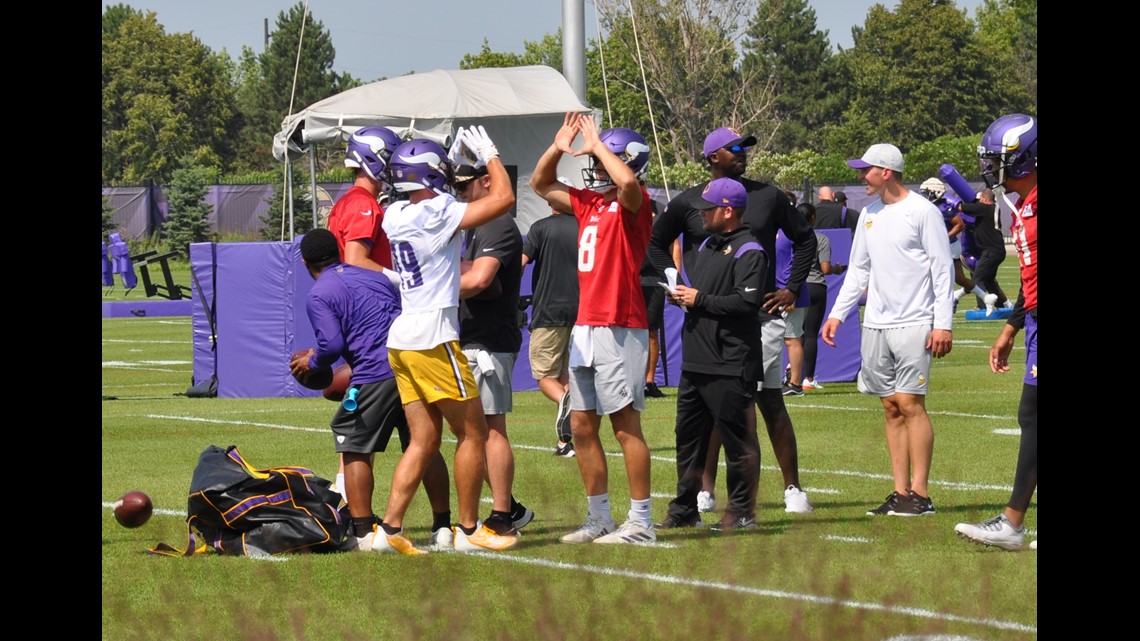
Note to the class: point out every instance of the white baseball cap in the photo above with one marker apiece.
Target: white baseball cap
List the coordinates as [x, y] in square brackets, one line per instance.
[880, 155]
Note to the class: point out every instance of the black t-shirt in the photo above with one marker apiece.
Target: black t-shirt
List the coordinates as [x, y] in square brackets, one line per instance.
[829, 215]
[768, 210]
[493, 324]
[986, 235]
[552, 246]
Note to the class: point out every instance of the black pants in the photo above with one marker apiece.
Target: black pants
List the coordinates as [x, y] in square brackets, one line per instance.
[813, 320]
[705, 400]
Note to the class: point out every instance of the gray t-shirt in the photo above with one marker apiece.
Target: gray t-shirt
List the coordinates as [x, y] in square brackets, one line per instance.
[823, 255]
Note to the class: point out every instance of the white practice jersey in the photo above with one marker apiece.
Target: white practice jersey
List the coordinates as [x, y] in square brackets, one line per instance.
[426, 252]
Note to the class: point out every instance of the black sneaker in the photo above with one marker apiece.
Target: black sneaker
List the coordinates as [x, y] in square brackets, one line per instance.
[912, 505]
[673, 521]
[652, 391]
[562, 421]
[890, 504]
[521, 515]
[501, 525]
[565, 451]
[730, 523]
[791, 389]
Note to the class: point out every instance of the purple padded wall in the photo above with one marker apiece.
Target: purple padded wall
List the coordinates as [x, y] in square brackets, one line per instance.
[260, 317]
[202, 267]
[840, 363]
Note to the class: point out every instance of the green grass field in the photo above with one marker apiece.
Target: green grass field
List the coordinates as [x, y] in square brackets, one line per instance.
[831, 574]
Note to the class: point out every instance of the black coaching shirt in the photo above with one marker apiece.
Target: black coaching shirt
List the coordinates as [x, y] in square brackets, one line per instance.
[720, 334]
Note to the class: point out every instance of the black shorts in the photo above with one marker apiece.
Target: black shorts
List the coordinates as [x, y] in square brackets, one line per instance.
[369, 428]
[654, 306]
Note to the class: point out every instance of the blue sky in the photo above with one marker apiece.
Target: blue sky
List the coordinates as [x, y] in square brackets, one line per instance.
[384, 39]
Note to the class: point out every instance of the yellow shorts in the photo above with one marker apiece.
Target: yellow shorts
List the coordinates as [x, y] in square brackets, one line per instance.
[433, 374]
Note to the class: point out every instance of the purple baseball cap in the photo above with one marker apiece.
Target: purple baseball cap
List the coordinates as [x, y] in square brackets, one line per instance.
[726, 137]
[880, 155]
[722, 192]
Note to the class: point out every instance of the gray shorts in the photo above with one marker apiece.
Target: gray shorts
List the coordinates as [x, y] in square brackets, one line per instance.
[492, 371]
[772, 341]
[895, 360]
[794, 323]
[607, 368]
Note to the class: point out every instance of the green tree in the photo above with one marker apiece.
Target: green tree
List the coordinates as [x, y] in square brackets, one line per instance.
[919, 73]
[275, 221]
[187, 219]
[783, 43]
[547, 51]
[165, 98]
[300, 48]
[1008, 28]
[108, 212]
[683, 55]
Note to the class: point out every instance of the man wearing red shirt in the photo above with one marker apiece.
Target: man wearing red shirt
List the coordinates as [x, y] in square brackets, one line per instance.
[609, 344]
[1008, 156]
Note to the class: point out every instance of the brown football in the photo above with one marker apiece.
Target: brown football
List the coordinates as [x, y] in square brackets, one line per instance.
[316, 379]
[339, 386]
[133, 509]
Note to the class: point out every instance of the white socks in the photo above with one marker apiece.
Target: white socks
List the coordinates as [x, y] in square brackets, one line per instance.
[600, 507]
[639, 511]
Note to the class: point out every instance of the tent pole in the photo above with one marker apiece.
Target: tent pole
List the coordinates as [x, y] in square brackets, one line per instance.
[313, 181]
[289, 191]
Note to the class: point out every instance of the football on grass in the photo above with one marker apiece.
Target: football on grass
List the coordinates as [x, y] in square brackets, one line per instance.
[133, 509]
[317, 379]
[339, 386]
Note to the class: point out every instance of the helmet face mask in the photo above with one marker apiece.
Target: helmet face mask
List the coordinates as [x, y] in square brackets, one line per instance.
[933, 189]
[1008, 149]
[369, 148]
[421, 164]
[628, 146]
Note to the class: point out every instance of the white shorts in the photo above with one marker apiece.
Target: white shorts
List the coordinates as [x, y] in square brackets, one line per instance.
[492, 371]
[607, 368]
[895, 360]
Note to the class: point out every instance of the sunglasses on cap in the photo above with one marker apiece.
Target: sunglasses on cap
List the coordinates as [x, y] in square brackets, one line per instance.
[465, 185]
[736, 149]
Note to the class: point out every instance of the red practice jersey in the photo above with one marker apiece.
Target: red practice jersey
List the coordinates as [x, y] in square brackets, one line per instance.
[1024, 230]
[611, 248]
[357, 216]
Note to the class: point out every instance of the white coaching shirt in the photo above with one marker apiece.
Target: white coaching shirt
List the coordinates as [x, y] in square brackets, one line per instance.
[901, 255]
[426, 252]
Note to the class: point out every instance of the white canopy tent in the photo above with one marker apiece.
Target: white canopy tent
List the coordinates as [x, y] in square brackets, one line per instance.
[521, 108]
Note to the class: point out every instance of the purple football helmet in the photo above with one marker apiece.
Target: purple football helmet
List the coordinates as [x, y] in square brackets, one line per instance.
[1008, 149]
[627, 145]
[369, 148]
[420, 164]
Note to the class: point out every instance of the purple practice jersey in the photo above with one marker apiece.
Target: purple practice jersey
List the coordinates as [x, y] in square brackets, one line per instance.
[351, 310]
[784, 252]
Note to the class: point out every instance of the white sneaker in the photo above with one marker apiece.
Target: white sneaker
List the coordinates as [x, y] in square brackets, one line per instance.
[997, 531]
[589, 531]
[810, 383]
[359, 543]
[705, 502]
[959, 293]
[1033, 545]
[630, 532]
[796, 501]
[443, 538]
[991, 303]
